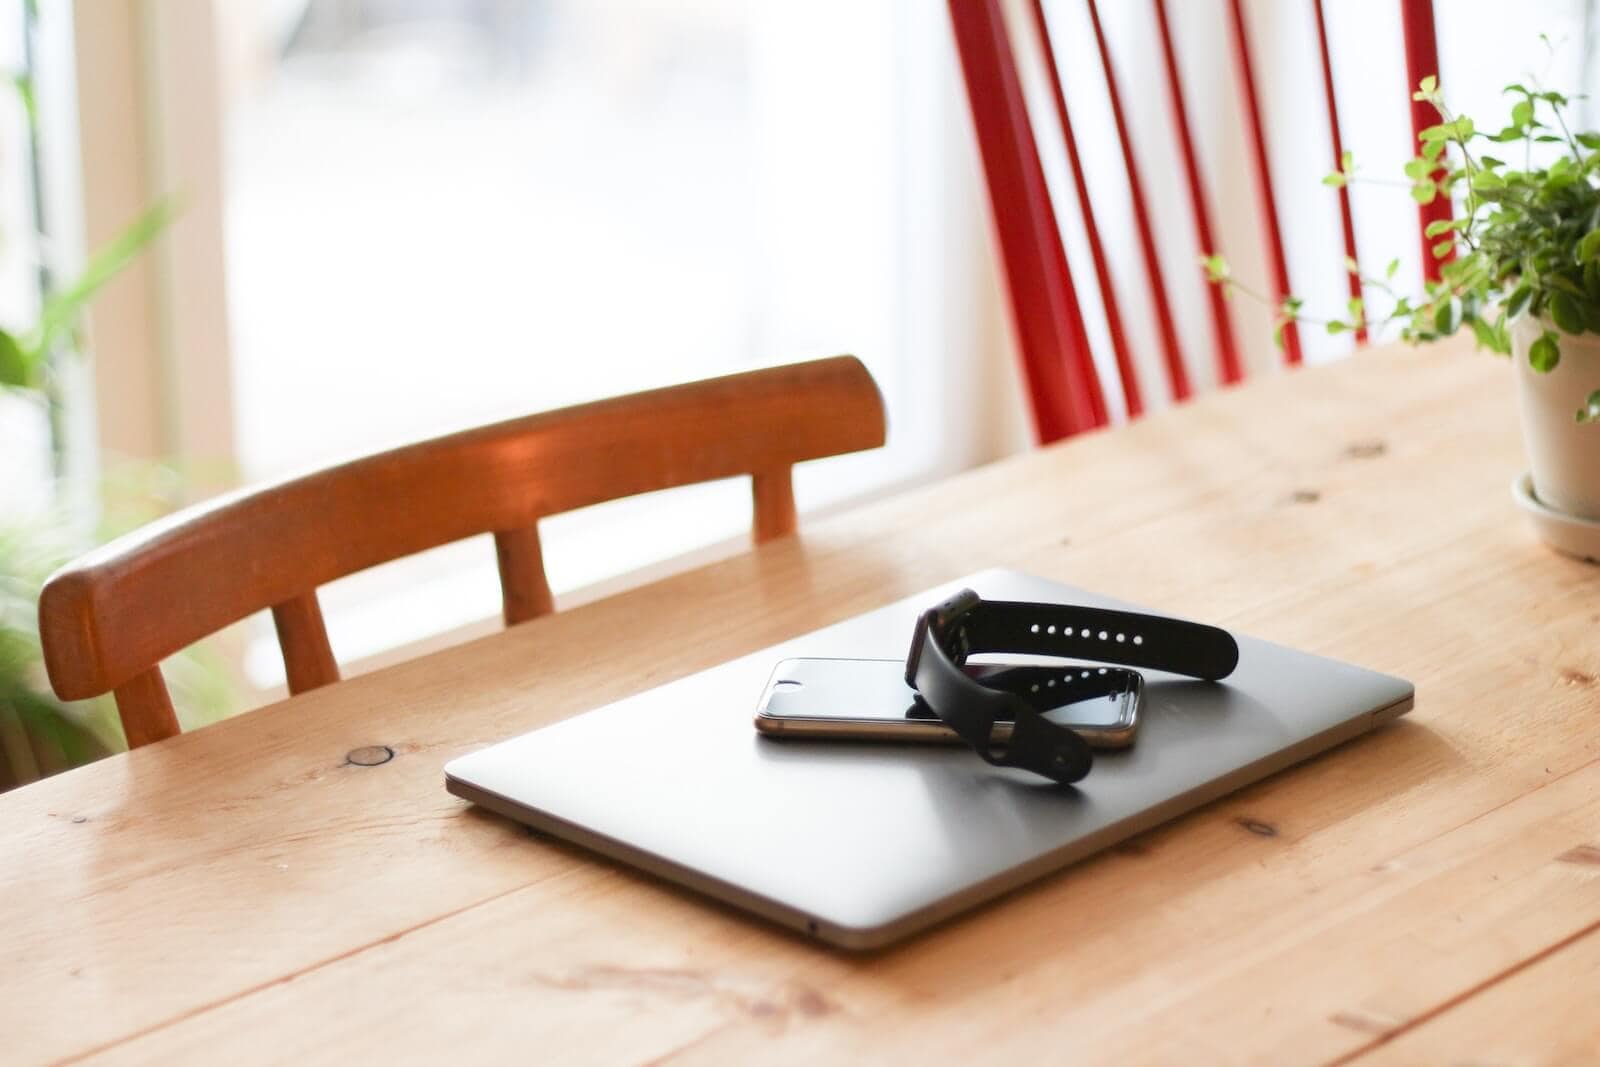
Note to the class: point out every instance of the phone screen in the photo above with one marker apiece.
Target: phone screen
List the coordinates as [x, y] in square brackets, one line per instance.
[874, 690]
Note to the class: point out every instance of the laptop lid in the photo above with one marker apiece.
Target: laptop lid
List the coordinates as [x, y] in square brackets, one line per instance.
[862, 844]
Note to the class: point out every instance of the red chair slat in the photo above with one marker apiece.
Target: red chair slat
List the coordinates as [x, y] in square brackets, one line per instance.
[1131, 395]
[1228, 361]
[1277, 264]
[1172, 355]
[1057, 362]
[1347, 221]
[1422, 61]
[1057, 358]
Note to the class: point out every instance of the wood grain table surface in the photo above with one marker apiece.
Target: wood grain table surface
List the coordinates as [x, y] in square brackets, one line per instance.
[1427, 894]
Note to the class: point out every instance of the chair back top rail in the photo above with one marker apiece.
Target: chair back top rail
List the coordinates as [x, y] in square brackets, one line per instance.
[111, 614]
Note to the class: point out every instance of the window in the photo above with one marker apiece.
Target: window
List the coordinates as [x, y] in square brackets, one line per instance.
[440, 213]
[429, 213]
[24, 431]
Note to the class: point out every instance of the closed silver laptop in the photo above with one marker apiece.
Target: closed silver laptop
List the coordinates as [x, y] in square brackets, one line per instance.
[862, 844]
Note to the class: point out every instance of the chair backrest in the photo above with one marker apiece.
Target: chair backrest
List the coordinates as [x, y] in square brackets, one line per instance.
[1058, 364]
[108, 619]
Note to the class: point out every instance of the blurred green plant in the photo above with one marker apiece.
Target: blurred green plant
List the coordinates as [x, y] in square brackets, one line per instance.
[1527, 241]
[46, 734]
[75, 735]
[38, 733]
[27, 354]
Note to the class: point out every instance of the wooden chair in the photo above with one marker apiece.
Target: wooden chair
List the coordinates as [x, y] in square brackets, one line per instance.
[108, 619]
[1063, 385]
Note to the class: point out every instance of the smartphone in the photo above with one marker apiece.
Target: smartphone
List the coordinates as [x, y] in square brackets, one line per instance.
[868, 700]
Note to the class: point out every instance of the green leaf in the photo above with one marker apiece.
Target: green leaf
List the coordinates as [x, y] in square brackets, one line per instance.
[1566, 313]
[1588, 140]
[1336, 327]
[1591, 315]
[1429, 84]
[1434, 149]
[23, 83]
[1486, 181]
[1518, 300]
[1484, 333]
[1436, 133]
[1335, 180]
[1565, 284]
[1589, 247]
[1351, 266]
[1424, 192]
[1347, 161]
[62, 309]
[1590, 412]
[1502, 337]
[1522, 112]
[1591, 280]
[1216, 267]
[14, 365]
[1554, 182]
[1447, 317]
[1443, 248]
[1438, 226]
[1545, 353]
[1394, 265]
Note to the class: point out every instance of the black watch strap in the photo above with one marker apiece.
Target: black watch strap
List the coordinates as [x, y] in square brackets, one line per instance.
[964, 624]
[972, 709]
[1101, 635]
[1044, 688]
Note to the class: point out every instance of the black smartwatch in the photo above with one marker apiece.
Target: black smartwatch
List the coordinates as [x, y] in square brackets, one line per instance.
[950, 631]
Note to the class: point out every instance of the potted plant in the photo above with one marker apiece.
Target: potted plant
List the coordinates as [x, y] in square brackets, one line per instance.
[1522, 272]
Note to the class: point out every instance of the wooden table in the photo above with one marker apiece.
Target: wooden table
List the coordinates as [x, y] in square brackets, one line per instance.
[1430, 893]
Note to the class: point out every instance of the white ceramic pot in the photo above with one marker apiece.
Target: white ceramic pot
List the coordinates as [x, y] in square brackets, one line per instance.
[1564, 455]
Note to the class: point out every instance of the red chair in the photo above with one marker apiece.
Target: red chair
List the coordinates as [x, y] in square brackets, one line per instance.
[1063, 385]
